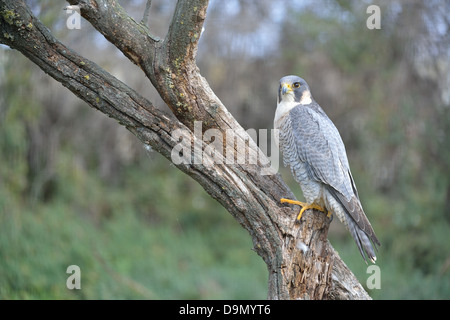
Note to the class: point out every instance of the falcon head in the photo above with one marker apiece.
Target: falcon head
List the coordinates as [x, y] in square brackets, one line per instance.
[294, 89]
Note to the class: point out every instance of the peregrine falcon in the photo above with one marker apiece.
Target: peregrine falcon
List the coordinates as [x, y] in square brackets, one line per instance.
[312, 146]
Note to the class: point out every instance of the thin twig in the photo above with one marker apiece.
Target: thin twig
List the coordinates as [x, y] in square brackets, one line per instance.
[144, 20]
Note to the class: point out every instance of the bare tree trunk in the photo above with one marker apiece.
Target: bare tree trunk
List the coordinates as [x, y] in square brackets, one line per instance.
[301, 262]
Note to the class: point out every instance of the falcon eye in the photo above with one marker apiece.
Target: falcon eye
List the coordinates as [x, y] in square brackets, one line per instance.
[297, 85]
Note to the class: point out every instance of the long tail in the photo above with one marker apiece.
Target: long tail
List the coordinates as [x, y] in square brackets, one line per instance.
[365, 246]
[357, 223]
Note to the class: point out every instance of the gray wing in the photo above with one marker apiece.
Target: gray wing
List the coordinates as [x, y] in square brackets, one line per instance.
[319, 145]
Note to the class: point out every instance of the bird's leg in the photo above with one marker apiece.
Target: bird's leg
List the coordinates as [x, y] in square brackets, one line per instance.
[305, 206]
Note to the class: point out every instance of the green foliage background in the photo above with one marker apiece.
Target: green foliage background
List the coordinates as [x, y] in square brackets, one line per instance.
[76, 188]
[124, 248]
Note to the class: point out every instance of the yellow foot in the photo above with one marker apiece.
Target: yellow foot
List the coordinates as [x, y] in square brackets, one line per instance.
[305, 206]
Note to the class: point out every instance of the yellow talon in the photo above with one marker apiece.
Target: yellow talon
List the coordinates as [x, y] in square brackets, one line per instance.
[305, 206]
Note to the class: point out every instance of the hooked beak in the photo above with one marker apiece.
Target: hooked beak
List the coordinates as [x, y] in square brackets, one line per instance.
[286, 88]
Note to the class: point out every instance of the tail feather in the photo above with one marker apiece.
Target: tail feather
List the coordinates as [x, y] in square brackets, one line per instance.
[358, 225]
[365, 246]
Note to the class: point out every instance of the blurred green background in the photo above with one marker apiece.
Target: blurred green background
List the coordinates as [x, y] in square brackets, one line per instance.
[77, 188]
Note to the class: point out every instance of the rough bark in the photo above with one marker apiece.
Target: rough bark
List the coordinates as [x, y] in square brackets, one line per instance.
[300, 260]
